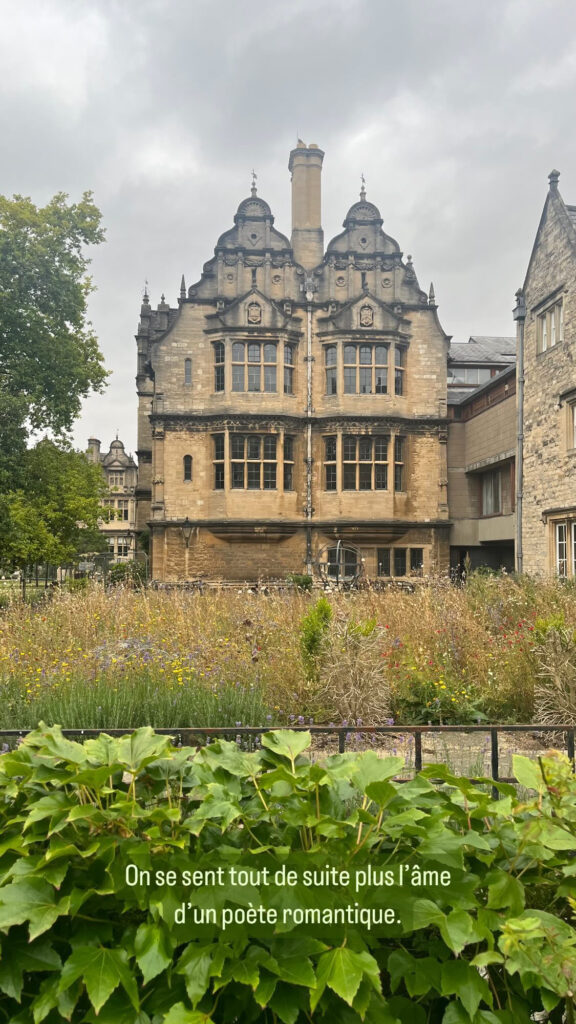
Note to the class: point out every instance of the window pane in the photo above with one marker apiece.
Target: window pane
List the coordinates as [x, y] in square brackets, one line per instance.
[381, 382]
[288, 449]
[381, 449]
[399, 449]
[416, 559]
[219, 478]
[253, 447]
[399, 356]
[253, 353]
[383, 558]
[330, 478]
[269, 353]
[348, 448]
[237, 352]
[365, 473]
[218, 446]
[269, 447]
[349, 380]
[269, 378]
[288, 380]
[365, 381]
[381, 477]
[187, 467]
[561, 550]
[399, 561]
[237, 474]
[289, 354]
[187, 371]
[237, 446]
[330, 355]
[218, 352]
[331, 381]
[329, 449]
[237, 378]
[398, 478]
[269, 476]
[254, 476]
[218, 378]
[366, 354]
[398, 382]
[381, 355]
[350, 354]
[365, 445]
[349, 477]
[253, 378]
[288, 477]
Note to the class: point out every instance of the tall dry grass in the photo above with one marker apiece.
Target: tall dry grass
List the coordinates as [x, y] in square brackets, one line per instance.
[439, 654]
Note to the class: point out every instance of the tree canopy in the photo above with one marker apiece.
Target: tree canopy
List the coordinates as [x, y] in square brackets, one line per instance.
[49, 362]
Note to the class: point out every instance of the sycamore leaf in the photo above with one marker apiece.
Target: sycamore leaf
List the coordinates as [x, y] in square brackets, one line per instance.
[180, 1015]
[32, 900]
[153, 949]
[101, 970]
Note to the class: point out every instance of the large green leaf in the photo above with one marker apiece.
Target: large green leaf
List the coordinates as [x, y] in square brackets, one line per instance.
[180, 1015]
[287, 743]
[153, 948]
[32, 900]
[464, 981]
[528, 773]
[196, 964]
[101, 970]
[342, 970]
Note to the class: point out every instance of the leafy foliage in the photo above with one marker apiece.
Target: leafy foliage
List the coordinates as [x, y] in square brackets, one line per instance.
[313, 629]
[87, 922]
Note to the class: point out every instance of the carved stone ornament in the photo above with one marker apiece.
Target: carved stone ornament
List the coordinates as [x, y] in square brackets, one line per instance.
[366, 316]
[254, 313]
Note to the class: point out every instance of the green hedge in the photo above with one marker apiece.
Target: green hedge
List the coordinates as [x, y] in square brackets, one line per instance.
[466, 917]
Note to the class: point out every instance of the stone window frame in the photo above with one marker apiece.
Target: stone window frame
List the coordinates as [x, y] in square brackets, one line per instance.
[364, 467]
[288, 443]
[187, 464]
[253, 462]
[399, 463]
[123, 506]
[386, 559]
[219, 461]
[187, 371]
[550, 325]
[116, 478]
[248, 371]
[357, 370]
[219, 351]
[289, 367]
[399, 370]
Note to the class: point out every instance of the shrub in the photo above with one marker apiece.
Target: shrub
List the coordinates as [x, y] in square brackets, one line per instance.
[300, 580]
[313, 629]
[93, 928]
[555, 688]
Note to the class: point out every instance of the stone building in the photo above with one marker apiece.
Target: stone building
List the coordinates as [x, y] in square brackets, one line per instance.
[481, 465]
[292, 405]
[118, 520]
[549, 488]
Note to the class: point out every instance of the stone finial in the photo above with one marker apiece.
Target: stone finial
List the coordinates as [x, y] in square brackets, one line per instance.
[182, 288]
[363, 188]
[553, 179]
[145, 309]
[253, 190]
[432, 296]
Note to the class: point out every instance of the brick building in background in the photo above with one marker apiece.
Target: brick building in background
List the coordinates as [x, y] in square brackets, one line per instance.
[292, 407]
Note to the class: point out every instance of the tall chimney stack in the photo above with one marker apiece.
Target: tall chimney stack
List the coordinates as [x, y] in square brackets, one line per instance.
[307, 235]
[93, 450]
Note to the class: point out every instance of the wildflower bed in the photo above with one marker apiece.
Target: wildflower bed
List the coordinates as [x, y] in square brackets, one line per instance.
[440, 655]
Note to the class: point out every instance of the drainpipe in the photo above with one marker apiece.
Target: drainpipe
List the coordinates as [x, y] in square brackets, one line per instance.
[519, 314]
[309, 510]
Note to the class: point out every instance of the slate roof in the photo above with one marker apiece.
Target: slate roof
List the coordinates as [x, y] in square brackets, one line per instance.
[483, 349]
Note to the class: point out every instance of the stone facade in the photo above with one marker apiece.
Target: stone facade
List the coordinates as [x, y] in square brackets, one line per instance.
[549, 489]
[292, 406]
[118, 521]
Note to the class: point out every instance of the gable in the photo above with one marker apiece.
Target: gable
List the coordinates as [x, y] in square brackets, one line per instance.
[252, 311]
[366, 313]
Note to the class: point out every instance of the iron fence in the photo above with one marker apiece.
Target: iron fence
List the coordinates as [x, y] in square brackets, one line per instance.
[187, 735]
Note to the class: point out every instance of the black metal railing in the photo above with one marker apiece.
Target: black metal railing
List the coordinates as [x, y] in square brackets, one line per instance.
[186, 736]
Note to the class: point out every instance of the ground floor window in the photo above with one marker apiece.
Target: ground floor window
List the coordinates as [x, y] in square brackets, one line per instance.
[400, 561]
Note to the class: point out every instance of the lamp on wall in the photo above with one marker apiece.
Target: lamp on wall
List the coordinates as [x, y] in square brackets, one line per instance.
[187, 528]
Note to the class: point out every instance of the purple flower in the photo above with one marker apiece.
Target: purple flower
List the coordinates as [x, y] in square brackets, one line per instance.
[238, 724]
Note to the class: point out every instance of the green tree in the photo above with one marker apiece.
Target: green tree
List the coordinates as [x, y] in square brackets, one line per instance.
[49, 356]
[54, 515]
[49, 362]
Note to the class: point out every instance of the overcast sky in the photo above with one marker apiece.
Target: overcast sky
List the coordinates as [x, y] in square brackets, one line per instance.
[455, 111]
